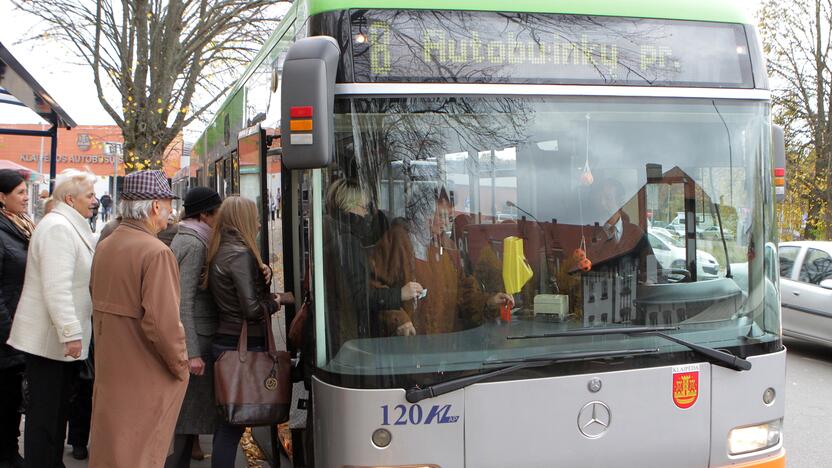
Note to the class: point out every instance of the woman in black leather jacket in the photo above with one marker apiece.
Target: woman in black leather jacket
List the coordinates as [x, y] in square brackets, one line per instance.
[241, 293]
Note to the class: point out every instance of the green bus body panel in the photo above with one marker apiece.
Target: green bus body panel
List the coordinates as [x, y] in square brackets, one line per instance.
[724, 11]
[234, 109]
[213, 133]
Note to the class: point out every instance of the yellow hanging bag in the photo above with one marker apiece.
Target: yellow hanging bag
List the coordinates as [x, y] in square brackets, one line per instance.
[516, 270]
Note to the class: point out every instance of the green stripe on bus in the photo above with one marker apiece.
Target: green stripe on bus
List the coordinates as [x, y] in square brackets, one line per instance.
[725, 11]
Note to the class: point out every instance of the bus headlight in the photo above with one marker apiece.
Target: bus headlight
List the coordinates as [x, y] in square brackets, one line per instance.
[752, 438]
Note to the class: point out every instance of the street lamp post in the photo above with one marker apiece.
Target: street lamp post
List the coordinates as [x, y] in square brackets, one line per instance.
[115, 180]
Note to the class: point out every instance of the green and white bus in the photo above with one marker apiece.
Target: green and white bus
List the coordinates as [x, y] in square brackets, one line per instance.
[476, 199]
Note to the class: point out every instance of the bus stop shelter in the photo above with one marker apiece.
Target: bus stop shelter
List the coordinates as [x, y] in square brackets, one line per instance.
[19, 88]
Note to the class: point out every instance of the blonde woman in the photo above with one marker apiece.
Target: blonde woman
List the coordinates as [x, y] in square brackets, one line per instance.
[241, 294]
[52, 324]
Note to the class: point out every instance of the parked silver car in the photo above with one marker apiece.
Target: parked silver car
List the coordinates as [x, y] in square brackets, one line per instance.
[670, 253]
[806, 289]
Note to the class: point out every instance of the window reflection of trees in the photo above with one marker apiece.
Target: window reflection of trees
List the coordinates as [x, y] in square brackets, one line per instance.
[410, 130]
[816, 267]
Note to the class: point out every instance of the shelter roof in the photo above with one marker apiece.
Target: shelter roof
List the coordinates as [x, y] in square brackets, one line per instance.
[18, 87]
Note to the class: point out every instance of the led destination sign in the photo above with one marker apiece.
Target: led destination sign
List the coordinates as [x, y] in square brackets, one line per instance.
[480, 47]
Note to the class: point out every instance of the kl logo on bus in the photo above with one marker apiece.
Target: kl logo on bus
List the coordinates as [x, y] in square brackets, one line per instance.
[685, 388]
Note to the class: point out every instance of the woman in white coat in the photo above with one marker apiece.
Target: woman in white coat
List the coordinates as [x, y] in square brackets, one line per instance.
[52, 323]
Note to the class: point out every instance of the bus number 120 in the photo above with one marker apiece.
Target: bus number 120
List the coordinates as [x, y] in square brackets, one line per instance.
[415, 415]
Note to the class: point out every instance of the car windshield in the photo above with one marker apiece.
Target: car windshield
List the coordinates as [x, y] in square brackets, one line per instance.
[452, 223]
[662, 235]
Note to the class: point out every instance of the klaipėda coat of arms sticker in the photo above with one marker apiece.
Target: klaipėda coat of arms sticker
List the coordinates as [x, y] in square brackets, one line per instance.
[685, 385]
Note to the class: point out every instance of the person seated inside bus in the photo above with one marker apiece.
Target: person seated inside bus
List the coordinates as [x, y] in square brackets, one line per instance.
[418, 249]
[352, 228]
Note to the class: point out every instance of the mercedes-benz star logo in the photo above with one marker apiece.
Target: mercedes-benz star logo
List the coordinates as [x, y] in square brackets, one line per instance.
[594, 419]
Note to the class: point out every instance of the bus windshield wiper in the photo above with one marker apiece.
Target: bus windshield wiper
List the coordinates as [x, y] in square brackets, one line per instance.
[417, 394]
[720, 358]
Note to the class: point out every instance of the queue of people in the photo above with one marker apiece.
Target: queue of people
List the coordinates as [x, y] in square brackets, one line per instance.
[159, 316]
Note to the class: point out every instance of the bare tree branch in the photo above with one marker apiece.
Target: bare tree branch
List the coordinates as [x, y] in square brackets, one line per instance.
[156, 55]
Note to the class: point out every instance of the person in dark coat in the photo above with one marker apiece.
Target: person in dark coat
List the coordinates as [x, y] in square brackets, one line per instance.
[94, 218]
[199, 318]
[167, 234]
[106, 206]
[109, 228]
[15, 231]
[352, 230]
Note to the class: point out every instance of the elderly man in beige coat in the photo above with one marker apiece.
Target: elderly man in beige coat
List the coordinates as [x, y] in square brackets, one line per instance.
[141, 365]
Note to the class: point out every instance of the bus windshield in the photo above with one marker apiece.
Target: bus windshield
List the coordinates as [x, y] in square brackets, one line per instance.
[453, 225]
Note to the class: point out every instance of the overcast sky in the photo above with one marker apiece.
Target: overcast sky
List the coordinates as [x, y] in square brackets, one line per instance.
[70, 85]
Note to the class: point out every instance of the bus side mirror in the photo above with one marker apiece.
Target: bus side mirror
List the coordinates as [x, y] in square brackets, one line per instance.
[778, 147]
[307, 103]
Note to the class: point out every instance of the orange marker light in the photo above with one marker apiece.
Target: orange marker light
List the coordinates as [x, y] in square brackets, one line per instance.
[300, 125]
[779, 181]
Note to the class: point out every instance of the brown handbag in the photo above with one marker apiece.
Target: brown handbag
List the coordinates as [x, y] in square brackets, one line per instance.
[253, 388]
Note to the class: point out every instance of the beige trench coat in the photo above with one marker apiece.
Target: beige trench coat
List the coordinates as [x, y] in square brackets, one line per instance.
[141, 365]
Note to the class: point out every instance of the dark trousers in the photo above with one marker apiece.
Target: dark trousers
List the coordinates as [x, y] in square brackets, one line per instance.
[50, 387]
[10, 396]
[183, 445]
[80, 411]
[227, 437]
[226, 441]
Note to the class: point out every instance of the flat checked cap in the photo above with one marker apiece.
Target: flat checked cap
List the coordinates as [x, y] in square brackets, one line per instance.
[146, 185]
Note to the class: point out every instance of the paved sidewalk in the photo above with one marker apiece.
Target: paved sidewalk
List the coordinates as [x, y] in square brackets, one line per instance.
[204, 440]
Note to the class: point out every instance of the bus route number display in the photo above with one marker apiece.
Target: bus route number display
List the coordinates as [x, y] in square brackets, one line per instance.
[481, 47]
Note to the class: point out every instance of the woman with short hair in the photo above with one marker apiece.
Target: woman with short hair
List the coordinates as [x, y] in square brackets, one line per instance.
[52, 324]
[15, 231]
[235, 279]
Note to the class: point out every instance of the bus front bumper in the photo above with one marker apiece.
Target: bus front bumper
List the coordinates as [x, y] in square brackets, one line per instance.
[777, 460]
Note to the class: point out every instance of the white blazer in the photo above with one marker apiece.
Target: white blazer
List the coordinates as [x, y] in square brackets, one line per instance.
[55, 304]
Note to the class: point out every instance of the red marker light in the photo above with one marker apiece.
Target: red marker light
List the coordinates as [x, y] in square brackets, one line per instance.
[779, 172]
[296, 112]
